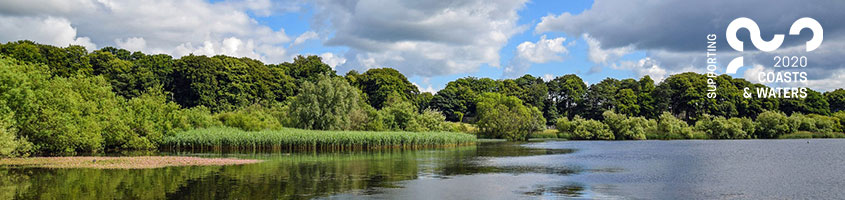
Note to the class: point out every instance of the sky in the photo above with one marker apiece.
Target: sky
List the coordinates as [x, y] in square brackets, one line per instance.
[434, 42]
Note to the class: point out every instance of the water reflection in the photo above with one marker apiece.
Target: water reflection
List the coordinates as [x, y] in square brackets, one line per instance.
[297, 175]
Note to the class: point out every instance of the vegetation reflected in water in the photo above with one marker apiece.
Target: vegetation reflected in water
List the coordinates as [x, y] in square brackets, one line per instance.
[282, 175]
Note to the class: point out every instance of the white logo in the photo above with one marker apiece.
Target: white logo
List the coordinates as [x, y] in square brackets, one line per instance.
[774, 44]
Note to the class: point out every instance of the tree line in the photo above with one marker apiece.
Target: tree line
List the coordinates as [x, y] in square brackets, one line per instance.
[53, 93]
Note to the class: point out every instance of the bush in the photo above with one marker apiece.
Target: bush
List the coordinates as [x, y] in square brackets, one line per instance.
[148, 118]
[824, 124]
[196, 117]
[431, 120]
[771, 124]
[840, 118]
[10, 144]
[721, 128]
[325, 104]
[502, 116]
[399, 114]
[591, 130]
[670, 127]
[564, 127]
[59, 114]
[251, 118]
[627, 128]
[548, 133]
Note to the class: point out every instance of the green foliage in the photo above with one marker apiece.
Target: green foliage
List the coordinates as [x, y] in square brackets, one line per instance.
[808, 135]
[812, 123]
[600, 97]
[591, 130]
[146, 120]
[506, 117]
[771, 124]
[325, 104]
[564, 126]
[196, 117]
[224, 83]
[287, 138]
[840, 117]
[131, 75]
[721, 128]
[683, 95]
[628, 128]
[251, 118]
[836, 100]
[565, 93]
[64, 62]
[10, 144]
[380, 83]
[670, 127]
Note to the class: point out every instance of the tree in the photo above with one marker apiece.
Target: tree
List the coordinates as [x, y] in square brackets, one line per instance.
[683, 95]
[591, 130]
[566, 92]
[64, 62]
[304, 69]
[379, 83]
[645, 98]
[836, 100]
[506, 117]
[771, 124]
[224, 83]
[600, 97]
[325, 104]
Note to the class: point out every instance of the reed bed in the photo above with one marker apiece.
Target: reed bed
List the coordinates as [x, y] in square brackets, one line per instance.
[218, 138]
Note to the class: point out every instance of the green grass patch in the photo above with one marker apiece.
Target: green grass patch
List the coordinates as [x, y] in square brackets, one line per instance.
[299, 139]
[806, 134]
[548, 133]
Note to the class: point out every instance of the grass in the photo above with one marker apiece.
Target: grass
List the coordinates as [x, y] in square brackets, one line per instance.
[134, 162]
[806, 134]
[299, 139]
[547, 133]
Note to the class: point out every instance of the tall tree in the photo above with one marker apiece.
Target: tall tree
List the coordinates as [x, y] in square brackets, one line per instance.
[379, 83]
[566, 92]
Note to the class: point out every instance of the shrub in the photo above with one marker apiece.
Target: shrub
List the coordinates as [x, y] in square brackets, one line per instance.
[771, 124]
[506, 117]
[10, 144]
[149, 118]
[824, 124]
[626, 128]
[840, 118]
[196, 117]
[251, 118]
[721, 128]
[325, 104]
[591, 130]
[670, 127]
[564, 127]
[399, 114]
[431, 120]
[59, 114]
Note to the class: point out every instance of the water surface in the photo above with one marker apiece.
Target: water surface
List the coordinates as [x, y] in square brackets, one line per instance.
[708, 169]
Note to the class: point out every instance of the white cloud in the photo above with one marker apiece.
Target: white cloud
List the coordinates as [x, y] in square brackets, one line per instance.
[157, 26]
[426, 89]
[424, 38]
[642, 67]
[332, 60]
[543, 51]
[304, 37]
[48, 30]
[598, 55]
[132, 44]
[548, 77]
